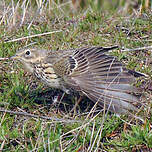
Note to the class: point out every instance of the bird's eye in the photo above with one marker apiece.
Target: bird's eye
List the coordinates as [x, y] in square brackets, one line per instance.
[28, 52]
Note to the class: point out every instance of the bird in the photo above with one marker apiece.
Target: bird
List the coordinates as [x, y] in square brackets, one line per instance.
[88, 70]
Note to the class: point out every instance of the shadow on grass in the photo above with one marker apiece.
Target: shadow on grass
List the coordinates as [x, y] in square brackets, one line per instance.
[52, 98]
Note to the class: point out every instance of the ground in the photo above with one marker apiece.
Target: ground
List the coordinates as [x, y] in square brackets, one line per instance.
[83, 129]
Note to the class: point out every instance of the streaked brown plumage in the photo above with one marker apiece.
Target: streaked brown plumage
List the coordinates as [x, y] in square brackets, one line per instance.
[100, 77]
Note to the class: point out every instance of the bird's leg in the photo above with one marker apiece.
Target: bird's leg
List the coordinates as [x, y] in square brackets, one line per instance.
[67, 91]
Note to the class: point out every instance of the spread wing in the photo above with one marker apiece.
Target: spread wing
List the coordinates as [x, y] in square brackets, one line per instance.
[102, 78]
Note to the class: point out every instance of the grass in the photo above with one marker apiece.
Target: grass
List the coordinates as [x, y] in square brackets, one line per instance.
[20, 92]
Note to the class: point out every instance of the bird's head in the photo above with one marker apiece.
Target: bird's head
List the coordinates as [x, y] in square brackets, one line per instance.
[29, 57]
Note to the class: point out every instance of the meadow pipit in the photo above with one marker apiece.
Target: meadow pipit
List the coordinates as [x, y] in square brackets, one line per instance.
[99, 76]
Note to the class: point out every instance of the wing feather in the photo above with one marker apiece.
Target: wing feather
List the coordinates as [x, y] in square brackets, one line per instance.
[103, 79]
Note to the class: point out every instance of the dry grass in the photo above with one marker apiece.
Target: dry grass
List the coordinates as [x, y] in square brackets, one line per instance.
[52, 24]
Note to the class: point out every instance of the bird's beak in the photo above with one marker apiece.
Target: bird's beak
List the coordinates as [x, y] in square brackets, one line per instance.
[15, 57]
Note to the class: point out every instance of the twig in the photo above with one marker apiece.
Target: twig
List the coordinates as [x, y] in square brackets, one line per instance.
[137, 49]
[37, 116]
[3, 59]
[31, 36]
[2, 144]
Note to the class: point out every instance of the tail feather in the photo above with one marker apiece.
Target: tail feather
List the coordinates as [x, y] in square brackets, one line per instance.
[115, 105]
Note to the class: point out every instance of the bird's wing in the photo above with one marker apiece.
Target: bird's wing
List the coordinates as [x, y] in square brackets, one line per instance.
[102, 78]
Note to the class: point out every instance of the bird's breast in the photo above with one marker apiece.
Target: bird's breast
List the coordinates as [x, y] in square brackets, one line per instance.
[46, 74]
